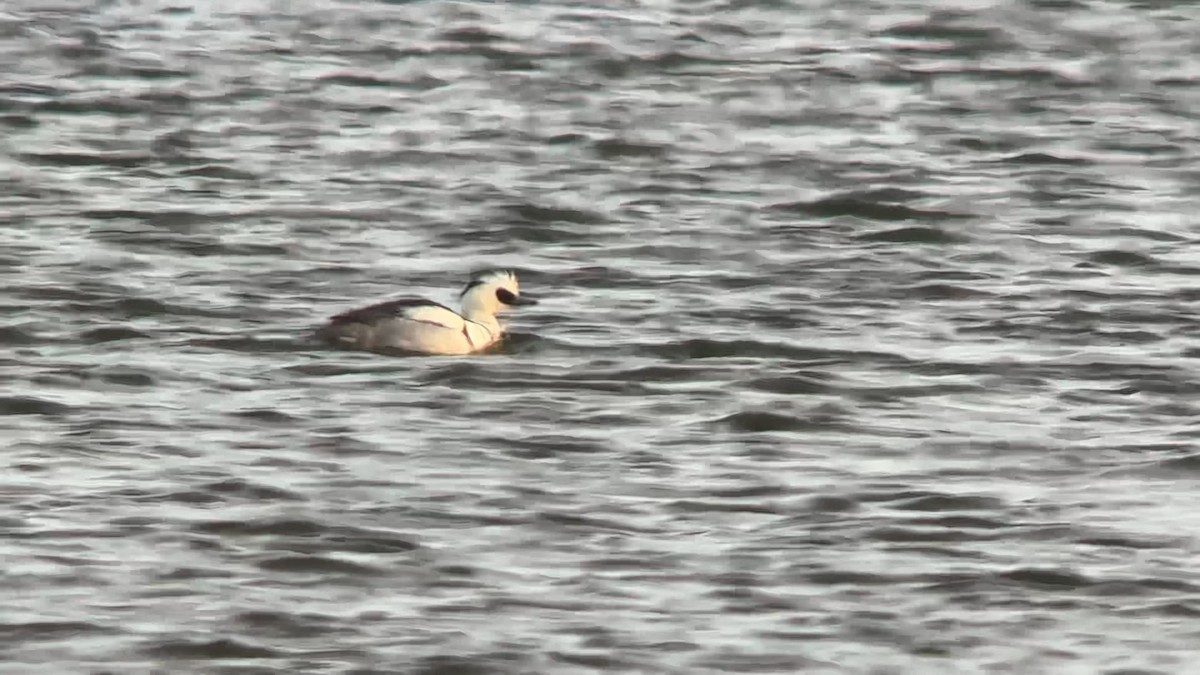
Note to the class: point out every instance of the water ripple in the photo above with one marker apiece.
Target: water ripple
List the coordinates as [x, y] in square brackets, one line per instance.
[866, 340]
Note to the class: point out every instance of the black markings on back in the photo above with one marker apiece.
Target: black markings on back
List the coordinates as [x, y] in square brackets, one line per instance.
[383, 310]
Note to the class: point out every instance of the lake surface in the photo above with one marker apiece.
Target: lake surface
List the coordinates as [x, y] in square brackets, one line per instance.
[868, 339]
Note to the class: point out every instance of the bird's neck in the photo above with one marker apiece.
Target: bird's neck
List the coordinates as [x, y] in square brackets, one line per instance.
[484, 318]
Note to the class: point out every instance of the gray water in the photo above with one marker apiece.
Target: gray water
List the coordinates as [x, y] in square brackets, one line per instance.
[868, 339]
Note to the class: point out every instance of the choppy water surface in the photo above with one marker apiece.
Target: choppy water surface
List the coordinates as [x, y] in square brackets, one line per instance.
[868, 340]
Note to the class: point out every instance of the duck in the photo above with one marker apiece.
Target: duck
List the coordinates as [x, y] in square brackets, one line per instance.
[421, 326]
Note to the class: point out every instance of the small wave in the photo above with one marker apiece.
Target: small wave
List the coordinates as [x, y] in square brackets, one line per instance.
[111, 334]
[256, 492]
[949, 502]
[50, 630]
[860, 207]
[759, 421]
[912, 235]
[700, 348]
[16, 335]
[1121, 258]
[316, 564]
[211, 650]
[279, 624]
[116, 160]
[32, 405]
[1045, 159]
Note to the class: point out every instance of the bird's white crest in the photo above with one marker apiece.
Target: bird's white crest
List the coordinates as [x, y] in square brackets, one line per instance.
[503, 278]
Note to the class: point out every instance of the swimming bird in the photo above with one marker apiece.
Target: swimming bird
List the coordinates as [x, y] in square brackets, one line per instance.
[424, 326]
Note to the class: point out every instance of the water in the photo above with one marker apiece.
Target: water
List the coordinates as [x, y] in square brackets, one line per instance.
[867, 342]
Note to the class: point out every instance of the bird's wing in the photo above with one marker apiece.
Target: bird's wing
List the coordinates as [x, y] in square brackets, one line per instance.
[412, 309]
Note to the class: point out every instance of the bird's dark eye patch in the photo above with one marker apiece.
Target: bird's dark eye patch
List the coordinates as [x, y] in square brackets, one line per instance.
[504, 295]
